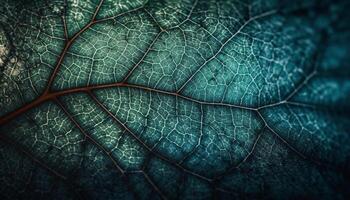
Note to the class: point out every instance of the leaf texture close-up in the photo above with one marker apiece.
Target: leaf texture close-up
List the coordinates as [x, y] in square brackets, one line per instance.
[174, 99]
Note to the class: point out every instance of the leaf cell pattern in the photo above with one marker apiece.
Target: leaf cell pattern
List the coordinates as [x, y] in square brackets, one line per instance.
[174, 99]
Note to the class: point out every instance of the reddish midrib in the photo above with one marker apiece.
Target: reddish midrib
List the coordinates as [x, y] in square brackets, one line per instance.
[14, 114]
[50, 96]
[55, 94]
[43, 98]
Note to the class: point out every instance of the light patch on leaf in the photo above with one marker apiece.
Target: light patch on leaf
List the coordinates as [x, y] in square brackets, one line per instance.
[14, 68]
[4, 47]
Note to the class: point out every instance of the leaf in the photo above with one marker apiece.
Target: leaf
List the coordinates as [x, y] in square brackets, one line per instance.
[174, 99]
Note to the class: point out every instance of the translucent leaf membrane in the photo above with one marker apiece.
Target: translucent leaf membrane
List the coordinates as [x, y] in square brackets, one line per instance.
[184, 99]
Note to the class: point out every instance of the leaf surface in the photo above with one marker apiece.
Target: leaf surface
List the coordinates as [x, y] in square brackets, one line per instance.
[189, 99]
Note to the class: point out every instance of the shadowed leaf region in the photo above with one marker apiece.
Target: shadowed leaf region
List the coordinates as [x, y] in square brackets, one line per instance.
[174, 99]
